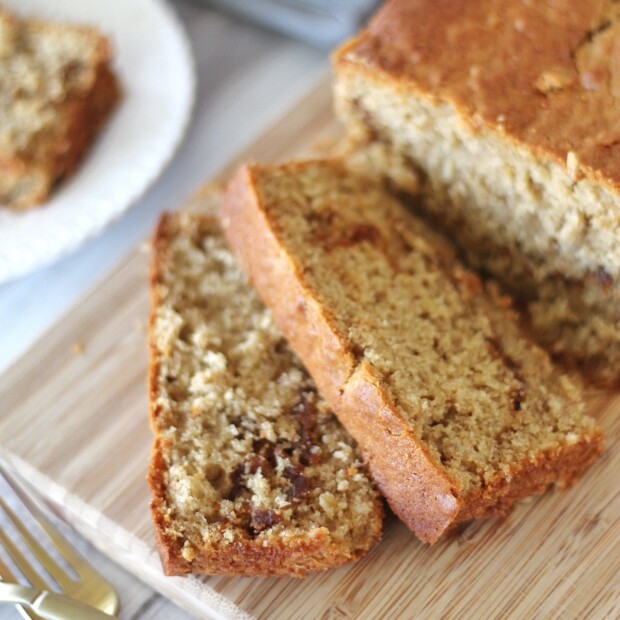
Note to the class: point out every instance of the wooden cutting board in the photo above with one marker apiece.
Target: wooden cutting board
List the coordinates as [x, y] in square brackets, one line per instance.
[74, 423]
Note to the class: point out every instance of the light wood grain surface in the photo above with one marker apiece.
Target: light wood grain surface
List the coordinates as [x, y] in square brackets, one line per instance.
[76, 427]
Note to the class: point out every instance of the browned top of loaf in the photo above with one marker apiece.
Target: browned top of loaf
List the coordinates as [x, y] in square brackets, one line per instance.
[546, 74]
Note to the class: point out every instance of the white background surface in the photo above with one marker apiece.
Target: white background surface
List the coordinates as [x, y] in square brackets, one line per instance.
[247, 77]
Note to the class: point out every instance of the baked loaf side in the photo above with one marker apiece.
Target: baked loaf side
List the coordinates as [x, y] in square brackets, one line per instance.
[56, 90]
[457, 415]
[251, 473]
[503, 118]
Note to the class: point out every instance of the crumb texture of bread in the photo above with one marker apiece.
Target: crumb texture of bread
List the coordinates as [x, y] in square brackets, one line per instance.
[456, 412]
[251, 473]
[502, 118]
[56, 90]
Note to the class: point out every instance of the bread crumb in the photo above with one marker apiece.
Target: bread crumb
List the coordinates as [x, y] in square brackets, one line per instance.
[188, 552]
[572, 165]
[554, 80]
[343, 485]
[78, 348]
[328, 503]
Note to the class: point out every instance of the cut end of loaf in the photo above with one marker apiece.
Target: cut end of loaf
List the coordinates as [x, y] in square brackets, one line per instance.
[251, 473]
[519, 161]
[457, 413]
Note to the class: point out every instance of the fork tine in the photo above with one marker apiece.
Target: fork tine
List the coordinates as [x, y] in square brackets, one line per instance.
[46, 560]
[88, 586]
[7, 575]
[61, 545]
[5, 572]
[22, 563]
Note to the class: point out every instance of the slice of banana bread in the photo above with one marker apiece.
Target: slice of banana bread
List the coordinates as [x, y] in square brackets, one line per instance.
[503, 117]
[251, 473]
[56, 90]
[457, 414]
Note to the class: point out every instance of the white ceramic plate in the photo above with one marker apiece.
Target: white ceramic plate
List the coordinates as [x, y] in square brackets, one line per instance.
[155, 68]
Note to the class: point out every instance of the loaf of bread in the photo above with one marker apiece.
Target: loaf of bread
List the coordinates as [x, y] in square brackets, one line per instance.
[56, 90]
[456, 413]
[502, 116]
[251, 473]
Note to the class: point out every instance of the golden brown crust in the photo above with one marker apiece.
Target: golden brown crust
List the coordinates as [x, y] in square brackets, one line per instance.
[417, 488]
[427, 502]
[168, 547]
[163, 231]
[172, 561]
[29, 175]
[542, 74]
[292, 556]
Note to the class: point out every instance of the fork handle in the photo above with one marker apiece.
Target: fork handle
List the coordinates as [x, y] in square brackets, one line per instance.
[49, 605]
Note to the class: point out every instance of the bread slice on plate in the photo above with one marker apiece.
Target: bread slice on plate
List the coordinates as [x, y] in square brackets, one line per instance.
[57, 89]
[457, 413]
[251, 473]
[501, 116]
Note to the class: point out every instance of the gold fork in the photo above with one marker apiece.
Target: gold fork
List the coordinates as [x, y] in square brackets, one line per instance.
[87, 587]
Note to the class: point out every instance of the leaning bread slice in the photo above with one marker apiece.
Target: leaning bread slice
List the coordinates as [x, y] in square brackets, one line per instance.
[251, 473]
[456, 413]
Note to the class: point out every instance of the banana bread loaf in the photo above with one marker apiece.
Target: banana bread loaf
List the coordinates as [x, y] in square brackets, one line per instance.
[457, 414]
[56, 90]
[502, 116]
[251, 473]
